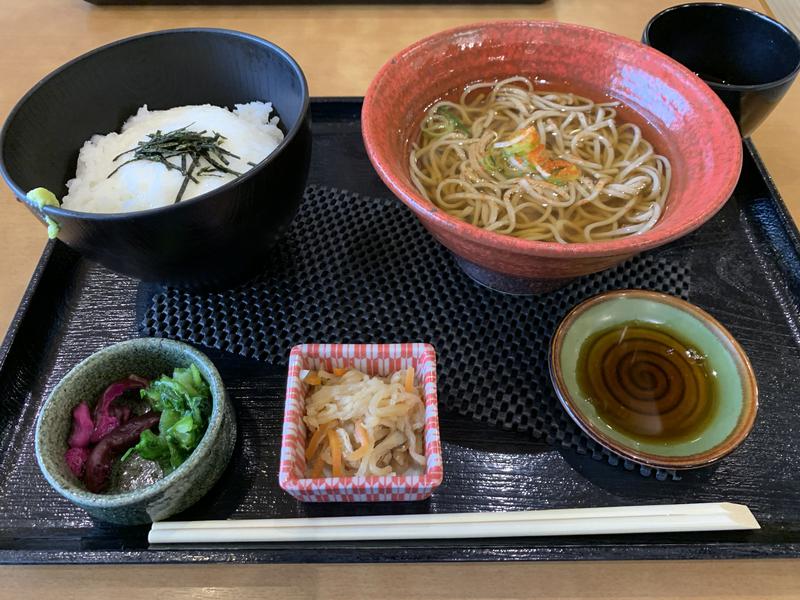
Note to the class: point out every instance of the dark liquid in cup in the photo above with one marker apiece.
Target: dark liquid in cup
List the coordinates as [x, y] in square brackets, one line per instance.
[647, 382]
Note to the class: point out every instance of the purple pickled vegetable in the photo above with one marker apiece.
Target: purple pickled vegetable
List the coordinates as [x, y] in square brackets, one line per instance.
[105, 425]
[82, 426]
[76, 460]
[102, 456]
[121, 411]
[115, 390]
[109, 416]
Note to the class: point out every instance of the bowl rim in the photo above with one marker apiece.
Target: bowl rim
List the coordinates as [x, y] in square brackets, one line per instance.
[731, 87]
[437, 218]
[746, 420]
[58, 211]
[123, 499]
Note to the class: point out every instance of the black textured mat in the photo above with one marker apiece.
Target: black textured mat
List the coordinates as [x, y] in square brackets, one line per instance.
[357, 269]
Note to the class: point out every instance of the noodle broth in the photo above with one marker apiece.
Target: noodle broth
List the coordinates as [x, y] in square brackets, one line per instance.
[515, 167]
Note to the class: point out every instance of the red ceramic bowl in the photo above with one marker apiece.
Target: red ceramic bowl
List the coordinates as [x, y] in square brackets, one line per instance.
[677, 112]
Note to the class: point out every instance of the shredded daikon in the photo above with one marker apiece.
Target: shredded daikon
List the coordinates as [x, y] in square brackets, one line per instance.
[362, 425]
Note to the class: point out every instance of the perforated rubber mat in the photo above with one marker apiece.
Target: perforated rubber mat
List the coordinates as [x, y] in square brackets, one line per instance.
[358, 269]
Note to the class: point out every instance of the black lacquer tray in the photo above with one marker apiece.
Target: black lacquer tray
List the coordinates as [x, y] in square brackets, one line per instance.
[745, 270]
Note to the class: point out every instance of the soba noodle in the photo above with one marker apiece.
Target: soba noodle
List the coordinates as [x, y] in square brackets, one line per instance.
[543, 165]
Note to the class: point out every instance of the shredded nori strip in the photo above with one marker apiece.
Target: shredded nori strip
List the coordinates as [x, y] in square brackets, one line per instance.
[197, 146]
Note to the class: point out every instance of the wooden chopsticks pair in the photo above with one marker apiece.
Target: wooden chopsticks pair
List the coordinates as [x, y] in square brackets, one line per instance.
[576, 521]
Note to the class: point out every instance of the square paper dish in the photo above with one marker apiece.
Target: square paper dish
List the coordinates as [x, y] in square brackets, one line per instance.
[373, 359]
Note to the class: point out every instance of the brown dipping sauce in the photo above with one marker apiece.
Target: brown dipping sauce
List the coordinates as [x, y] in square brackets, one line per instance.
[648, 383]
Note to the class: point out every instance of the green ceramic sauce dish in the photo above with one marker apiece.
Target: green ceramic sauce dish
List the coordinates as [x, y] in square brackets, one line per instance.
[654, 378]
[149, 358]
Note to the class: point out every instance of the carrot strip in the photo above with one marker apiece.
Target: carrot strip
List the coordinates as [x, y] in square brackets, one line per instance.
[538, 155]
[316, 470]
[313, 378]
[316, 438]
[410, 380]
[336, 453]
[340, 371]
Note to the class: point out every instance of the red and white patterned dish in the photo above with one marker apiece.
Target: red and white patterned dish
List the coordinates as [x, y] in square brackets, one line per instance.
[373, 359]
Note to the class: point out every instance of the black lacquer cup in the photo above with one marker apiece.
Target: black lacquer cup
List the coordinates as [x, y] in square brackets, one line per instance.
[747, 58]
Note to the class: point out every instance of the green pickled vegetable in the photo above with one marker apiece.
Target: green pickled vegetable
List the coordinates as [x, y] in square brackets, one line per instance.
[43, 197]
[184, 401]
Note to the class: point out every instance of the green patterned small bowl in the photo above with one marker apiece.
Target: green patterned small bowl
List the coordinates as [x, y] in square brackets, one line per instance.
[736, 404]
[147, 357]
